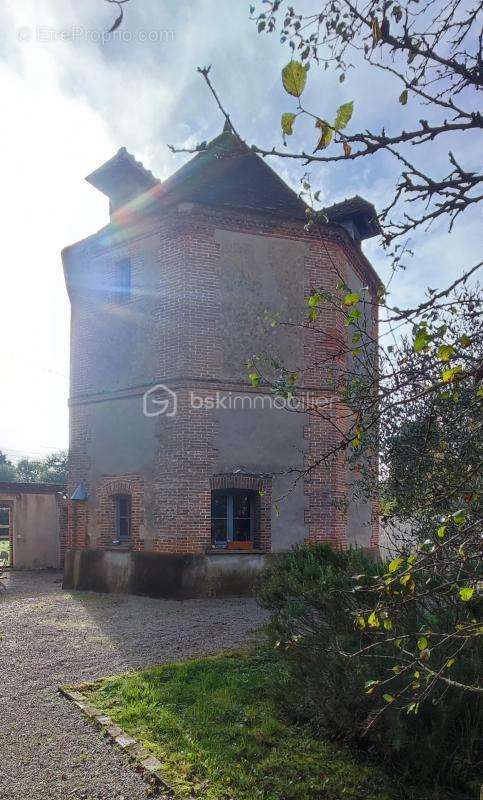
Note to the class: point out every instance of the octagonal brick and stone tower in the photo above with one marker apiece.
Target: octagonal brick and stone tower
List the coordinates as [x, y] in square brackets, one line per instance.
[175, 458]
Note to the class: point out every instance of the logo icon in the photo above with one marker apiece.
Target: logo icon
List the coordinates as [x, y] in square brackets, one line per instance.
[159, 400]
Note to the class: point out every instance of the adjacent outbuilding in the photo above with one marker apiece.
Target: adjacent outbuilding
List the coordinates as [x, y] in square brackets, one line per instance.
[32, 525]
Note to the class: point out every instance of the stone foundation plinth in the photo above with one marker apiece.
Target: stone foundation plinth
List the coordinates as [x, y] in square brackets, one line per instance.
[163, 575]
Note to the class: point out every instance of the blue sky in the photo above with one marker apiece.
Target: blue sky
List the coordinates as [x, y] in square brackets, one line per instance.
[71, 100]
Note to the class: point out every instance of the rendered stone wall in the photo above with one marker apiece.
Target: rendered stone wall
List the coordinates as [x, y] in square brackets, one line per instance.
[201, 277]
[38, 529]
[163, 575]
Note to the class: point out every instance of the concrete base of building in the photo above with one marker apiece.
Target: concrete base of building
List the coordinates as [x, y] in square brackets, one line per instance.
[161, 575]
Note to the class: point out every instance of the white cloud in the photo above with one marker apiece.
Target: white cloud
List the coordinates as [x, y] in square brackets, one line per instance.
[68, 106]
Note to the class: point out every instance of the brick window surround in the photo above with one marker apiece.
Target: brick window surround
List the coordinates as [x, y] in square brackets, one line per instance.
[109, 490]
[262, 485]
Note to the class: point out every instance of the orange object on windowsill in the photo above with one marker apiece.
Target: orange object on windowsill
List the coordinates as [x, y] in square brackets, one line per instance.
[240, 545]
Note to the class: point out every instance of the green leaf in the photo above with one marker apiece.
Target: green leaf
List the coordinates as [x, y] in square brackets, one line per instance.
[389, 698]
[459, 517]
[445, 352]
[450, 663]
[421, 340]
[351, 299]
[387, 625]
[465, 340]
[422, 643]
[395, 564]
[316, 297]
[326, 134]
[373, 620]
[287, 122]
[357, 440]
[352, 316]
[449, 375]
[294, 78]
[467, 593]
[254, 379]
[403, 97]
[344, 114]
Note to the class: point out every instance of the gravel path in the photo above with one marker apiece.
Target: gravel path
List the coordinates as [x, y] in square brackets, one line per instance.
[47, 749]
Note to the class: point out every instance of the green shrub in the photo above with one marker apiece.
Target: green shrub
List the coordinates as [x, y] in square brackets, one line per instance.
[309, 592]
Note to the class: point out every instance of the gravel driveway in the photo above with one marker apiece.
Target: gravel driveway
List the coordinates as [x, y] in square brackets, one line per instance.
[47, 748]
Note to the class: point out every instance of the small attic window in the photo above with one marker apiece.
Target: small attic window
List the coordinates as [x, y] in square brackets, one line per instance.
[122, 281]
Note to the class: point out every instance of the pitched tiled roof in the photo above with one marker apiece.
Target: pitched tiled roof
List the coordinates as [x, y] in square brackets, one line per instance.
[225, 173]
[360, 211]
[122, 178]
[123, 157]
[10, 487]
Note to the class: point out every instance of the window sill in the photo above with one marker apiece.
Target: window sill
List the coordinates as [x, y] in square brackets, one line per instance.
[127, 545]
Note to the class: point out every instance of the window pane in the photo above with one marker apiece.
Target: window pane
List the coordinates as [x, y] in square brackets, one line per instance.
[4, 516]
[123, 511]
[123, 506]
[218, 529]
[241, 505]
[241, 530]
[122, 279]
[218, 505]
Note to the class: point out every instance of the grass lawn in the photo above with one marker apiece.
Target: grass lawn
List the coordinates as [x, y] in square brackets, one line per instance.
[216, 726]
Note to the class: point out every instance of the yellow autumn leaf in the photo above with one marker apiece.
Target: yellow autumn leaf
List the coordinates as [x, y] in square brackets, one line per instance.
[326, 134]
[287, 122]
[294, 78]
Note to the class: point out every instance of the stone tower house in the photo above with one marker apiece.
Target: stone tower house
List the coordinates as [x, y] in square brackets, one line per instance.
[175, 458]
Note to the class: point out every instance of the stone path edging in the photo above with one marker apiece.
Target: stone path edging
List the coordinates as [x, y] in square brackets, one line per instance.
[145, 763]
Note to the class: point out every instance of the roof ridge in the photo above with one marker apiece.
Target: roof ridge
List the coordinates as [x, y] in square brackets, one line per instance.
[123, 151]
